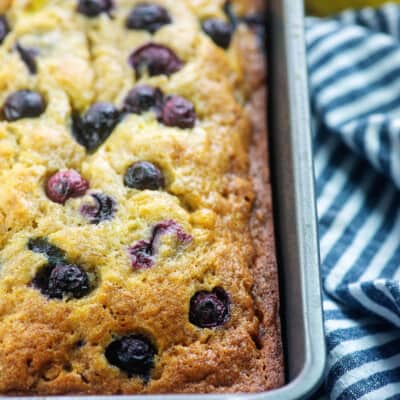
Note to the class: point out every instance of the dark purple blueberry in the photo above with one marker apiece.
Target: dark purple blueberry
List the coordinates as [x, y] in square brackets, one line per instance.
[179, 112]
[143, 252]
[103, 208]
[219, 31]
[93, 8]
[209, 309]
[144, 175]
[41, 279]
[143, 98]
[150, 17]
[169, 226]
[68, 279]
[42, 246]
[132, 354]
[57, 281]
[23, 104]
[65, 184]
[155, 59]
[4, 28]
[96, 125]
[28, 57]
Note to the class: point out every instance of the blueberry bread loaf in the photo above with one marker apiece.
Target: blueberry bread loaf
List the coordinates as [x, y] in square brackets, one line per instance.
[136, 239]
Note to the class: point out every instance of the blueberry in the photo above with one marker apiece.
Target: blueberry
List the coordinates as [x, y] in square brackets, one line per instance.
[155, 59]
[132, 354]
[68, 279]
[41, 279]
[169, 226]
[178, 112]
[96, 125]
[143, 98]
[28, 57]
[42, 246]
[219, 31]
[23, 104]
[65, 184]
[93, 8]
[144, 175]
[150, 17]
[102, 209]
[143, 252]
[57, 281]
[4, 28]
[209, 309]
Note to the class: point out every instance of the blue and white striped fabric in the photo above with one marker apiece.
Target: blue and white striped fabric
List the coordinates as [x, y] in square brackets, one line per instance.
[354, 66]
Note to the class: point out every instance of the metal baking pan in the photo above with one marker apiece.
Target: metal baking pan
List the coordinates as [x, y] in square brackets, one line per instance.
[295, 216]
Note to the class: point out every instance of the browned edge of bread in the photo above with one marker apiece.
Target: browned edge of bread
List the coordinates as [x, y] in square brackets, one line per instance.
[265, 267]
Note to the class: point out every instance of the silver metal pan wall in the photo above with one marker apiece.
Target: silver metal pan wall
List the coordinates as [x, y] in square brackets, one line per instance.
[293, 189]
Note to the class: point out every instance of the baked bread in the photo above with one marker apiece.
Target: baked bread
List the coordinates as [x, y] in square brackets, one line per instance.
[136, 251]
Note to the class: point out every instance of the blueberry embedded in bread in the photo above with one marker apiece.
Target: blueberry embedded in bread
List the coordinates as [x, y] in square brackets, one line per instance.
[144, 175]
[59, 280]
[102, 208]
[169, 226]
[219, 31]
[132, 354]
[65, 184]
[96, 125]
[142, 98]
[23, 104]
[171, 110]
[143, 253]
[93, 8]
[154, 59]
[178, 112]
[68, 279]
[209, 309]
[149, 17]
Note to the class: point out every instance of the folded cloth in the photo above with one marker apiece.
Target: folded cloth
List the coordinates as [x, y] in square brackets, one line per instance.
[354, 70]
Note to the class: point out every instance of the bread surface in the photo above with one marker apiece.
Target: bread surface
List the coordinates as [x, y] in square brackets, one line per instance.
[216, 190]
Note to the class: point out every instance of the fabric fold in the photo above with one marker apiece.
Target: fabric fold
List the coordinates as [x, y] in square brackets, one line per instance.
[354, 72]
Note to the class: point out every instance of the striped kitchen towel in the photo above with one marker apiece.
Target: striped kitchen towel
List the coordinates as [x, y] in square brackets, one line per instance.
[354, 68]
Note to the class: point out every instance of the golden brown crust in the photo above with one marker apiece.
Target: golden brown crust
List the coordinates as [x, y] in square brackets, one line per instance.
[264, 268]
[57, 346]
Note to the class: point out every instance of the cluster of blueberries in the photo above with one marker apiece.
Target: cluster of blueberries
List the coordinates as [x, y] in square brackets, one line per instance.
[94, 127]
[97, 124]
[66, 184]
[134, 354]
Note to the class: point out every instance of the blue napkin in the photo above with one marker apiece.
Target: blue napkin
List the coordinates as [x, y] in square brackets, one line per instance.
[354, 68]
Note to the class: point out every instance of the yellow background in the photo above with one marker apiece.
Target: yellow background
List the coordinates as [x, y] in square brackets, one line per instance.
[326, 7]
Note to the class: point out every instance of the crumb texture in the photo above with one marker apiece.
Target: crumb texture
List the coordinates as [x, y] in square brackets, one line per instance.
[136, 240]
